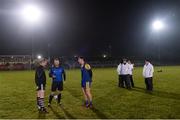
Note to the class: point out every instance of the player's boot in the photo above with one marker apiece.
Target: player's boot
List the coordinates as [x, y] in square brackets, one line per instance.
[59, 103]
[39, 108]
[87, 104]
[49, 104]
[44, 110]
[91, 105]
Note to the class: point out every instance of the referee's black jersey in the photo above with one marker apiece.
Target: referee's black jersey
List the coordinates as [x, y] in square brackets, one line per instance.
[40, 76]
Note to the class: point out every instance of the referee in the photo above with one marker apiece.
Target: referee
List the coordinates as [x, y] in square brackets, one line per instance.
[58, 75]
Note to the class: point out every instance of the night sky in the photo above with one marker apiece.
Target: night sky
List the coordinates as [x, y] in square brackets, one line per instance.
[92, 28]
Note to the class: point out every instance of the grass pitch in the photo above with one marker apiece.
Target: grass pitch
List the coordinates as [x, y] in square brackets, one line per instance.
[18, 96]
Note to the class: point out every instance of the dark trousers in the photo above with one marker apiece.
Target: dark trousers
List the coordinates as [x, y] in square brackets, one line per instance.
[131, 80]
[149, 83]
[125, 81]
[120, 81]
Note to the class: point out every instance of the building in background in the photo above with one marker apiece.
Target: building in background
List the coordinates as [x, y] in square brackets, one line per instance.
[15, 62]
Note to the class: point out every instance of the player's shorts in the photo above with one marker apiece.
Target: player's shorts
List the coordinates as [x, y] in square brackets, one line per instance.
[40, 87]
[86, 84]
[57, 86]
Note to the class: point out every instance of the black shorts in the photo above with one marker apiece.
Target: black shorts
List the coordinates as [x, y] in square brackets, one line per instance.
[86, 84]
[57, 86]
[40, 87]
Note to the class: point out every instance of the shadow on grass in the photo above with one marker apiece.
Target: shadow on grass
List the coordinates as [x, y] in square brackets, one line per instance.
[41, 115]
[96, 111]
[158, 93]
[56, 113]
[67, 113]
[99, 113]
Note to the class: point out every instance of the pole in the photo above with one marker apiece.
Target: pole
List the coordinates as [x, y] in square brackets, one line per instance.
[159, 50]
[49, 51]
[159, 54]
[32, 48]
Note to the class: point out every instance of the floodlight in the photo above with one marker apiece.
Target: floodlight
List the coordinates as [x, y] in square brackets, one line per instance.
[158, 25]
[31, 13]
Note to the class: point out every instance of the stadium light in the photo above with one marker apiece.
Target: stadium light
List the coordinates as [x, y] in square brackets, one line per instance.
[31, 13]
[104, 55]
[158, 25]
[75, 56]
[39, 57]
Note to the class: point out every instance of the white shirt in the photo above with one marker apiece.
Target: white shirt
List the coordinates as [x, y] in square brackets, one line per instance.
[124, 69]
[119, 69]
[130, 69]
[148, 70]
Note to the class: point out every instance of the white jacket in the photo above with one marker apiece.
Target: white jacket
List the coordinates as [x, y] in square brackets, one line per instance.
[119, 69]
[124, 69]
[130, 69]
[148, 70]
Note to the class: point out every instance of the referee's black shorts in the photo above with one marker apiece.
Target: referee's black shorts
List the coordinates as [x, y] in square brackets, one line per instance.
[56, 85]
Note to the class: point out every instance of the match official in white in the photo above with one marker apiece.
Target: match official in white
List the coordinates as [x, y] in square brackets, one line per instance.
[124, 74]
[148, 75]
[130, 72]
[119, 75]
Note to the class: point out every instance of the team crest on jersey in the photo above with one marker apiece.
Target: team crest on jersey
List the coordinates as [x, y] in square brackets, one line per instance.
[87, 66]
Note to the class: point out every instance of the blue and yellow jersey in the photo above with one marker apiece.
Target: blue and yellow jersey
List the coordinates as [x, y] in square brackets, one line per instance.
[57, 74]
[86, 72]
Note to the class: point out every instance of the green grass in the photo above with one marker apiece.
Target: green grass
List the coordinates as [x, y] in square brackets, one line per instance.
[18, 96]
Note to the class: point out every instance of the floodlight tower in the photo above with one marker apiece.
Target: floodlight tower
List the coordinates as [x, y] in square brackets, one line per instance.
[32, 15]
[157, 27]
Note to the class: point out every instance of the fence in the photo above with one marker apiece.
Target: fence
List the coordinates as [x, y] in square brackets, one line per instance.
[24, 62]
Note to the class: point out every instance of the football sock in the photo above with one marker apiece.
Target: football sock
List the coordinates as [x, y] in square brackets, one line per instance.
[90, 102]
[38, 100]
[50, 98]
[41, 102]
[59, 98]
[86, 102]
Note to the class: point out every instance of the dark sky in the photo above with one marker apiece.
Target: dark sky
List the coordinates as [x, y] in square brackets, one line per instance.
[92, 28]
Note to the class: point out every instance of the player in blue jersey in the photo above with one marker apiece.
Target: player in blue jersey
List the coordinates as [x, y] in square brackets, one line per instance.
[57, 73]
[86, 81]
